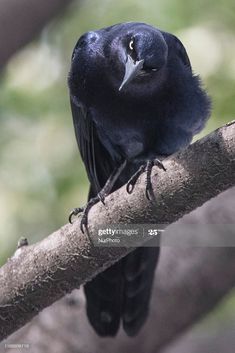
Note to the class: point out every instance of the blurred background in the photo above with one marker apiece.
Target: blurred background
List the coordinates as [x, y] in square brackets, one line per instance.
[41, 174]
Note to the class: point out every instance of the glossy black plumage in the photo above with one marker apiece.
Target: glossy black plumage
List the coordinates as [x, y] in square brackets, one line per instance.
[134, 116]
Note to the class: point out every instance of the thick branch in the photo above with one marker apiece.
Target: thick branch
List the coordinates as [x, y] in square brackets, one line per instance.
[40, 274]
[189, 282]
[21, 21]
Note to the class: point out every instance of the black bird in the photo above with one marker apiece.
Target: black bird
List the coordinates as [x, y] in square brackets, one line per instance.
[134, 100]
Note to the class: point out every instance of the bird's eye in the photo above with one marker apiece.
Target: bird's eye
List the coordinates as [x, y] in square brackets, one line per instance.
[131, 45]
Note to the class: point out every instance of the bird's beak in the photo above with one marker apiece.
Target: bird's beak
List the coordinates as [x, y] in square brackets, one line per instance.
[132, 69]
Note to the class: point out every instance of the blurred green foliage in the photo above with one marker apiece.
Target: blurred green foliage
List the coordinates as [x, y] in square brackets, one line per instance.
[41, 174]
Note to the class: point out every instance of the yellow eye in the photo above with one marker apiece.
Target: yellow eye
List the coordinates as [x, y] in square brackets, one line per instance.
[131, 44]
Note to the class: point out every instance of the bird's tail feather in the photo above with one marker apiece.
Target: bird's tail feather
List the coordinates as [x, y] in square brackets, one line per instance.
[122, 292]
[104, 299]
[139, 268]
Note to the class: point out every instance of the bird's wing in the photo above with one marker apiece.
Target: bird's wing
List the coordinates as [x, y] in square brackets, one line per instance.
[176, 47]
[181, 51]
[94, 155]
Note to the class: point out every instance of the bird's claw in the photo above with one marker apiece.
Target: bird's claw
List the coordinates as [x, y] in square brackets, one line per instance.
[148, 168]
[84, 222]
[149, 188]
[101, 198]
[131, 183]
[159, 164]
[85, 210]
[149, 192]
[74, 213]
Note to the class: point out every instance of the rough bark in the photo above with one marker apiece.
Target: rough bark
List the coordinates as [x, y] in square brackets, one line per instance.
[189, 282]
[40, 274]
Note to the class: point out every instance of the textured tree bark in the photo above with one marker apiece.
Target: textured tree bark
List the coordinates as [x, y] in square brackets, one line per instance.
[188, 283]
[40, 274]
[21, 21]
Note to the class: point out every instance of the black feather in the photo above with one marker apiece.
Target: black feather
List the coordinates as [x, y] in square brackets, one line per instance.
[156, 113]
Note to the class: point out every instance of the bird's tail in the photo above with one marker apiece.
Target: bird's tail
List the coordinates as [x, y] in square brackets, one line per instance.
[122, 292]
[138, 269]
[104, 300]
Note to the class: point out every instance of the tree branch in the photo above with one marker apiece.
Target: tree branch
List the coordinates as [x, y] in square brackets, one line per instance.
[21, 21]
[39, 274]
[188, 283]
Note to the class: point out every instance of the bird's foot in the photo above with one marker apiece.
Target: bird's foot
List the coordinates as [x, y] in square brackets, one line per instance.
[147, 167]
[85, 210]
[74, 213]
[100, 197]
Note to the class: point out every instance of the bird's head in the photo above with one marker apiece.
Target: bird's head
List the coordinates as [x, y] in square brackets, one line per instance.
[126, 55]
[142, 52]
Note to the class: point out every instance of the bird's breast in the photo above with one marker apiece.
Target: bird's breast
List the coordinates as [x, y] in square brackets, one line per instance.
[122, 142]
[131, 144]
